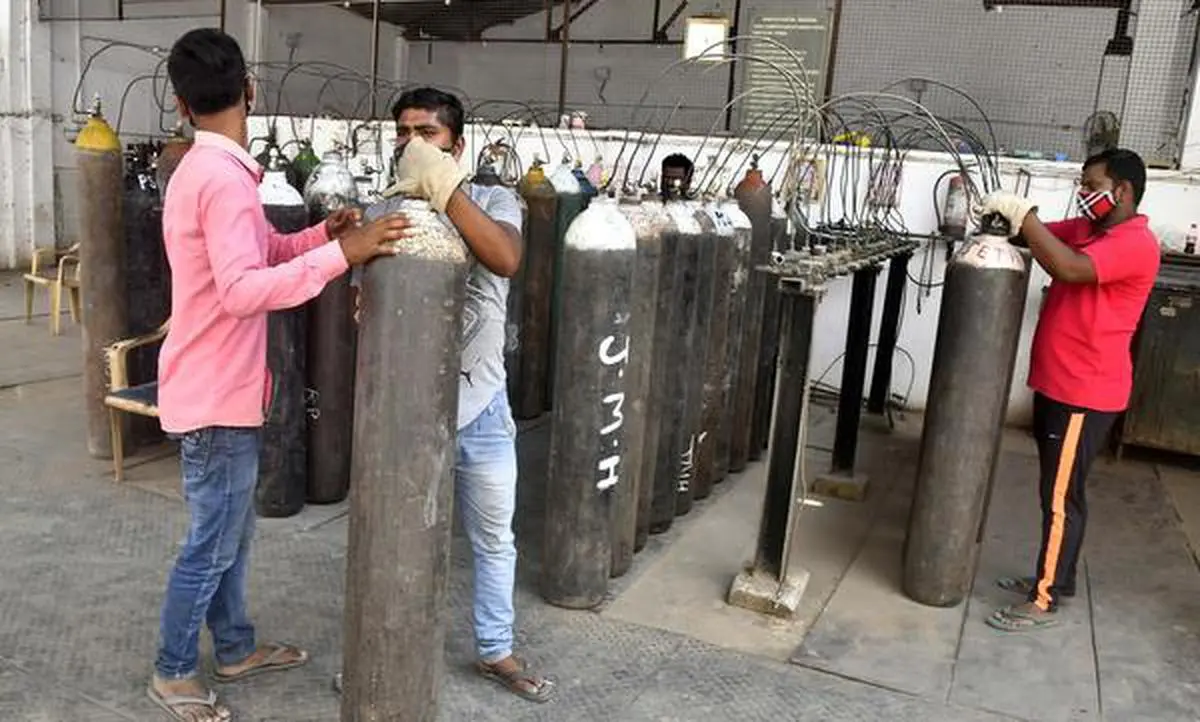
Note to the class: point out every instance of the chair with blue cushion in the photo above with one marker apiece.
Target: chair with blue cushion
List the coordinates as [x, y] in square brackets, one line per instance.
[141, 400]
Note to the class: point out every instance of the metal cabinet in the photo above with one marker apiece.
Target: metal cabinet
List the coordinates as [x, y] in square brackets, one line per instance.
[1164, 410]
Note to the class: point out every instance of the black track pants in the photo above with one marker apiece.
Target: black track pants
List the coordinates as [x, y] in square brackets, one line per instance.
[1068, 439]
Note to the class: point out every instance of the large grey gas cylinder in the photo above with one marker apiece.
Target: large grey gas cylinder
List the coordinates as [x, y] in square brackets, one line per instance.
[979, 327]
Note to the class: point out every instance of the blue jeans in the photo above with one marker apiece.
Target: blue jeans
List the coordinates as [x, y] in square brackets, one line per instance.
[485, 491]
[208, 582]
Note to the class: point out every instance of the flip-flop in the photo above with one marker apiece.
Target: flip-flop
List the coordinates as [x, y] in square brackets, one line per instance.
[518, 679]
[271, 663]
[170, 703]
[1013, 619]
[1023, 586]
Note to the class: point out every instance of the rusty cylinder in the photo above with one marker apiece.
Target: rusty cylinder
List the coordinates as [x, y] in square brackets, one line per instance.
[173, 151]
[681, 243]
[742, 236]
[716, 338]
[588, 436]
[698, 286]
[101, 269]
[768, 347]
[648, 221]
[754, 197]
[406, 397]
[537, 281]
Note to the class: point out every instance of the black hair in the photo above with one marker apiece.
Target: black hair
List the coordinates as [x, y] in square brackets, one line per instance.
[1121, 164]
[207, 70]
[679, 160]
[449, 108]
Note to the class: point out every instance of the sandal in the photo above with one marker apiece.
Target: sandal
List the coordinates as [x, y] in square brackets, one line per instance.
[273, 662]
[519, 681]
[1024, 586]
[1024, 618]
[173, 704]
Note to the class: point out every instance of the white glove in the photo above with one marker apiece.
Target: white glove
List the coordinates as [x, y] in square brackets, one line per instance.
[1011, 206]
[426, 171]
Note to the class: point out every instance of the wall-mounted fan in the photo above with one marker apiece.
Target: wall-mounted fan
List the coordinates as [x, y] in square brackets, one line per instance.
[1101, 131]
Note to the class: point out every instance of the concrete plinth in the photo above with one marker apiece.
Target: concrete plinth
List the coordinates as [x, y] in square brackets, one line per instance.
[848, 487]
[761, 592]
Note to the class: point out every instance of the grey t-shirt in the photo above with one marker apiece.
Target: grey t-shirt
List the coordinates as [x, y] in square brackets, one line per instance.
[484, 314]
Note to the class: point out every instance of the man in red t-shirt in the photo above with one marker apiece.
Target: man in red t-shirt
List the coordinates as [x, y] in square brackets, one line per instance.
[1103, 265]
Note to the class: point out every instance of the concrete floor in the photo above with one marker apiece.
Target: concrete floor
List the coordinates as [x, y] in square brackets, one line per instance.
[83, 565]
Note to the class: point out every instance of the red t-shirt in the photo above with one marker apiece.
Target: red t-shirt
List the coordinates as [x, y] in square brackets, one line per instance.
[1081, 350]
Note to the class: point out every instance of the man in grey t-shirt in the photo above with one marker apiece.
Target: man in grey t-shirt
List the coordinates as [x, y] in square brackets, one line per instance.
[429, 134]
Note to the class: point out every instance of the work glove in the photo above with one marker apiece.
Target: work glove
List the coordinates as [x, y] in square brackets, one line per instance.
[426, 171]
[1011, 206]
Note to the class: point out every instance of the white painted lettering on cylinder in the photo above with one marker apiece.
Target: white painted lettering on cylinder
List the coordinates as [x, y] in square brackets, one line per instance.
[607, 358]
[618, 416]
[609, 465]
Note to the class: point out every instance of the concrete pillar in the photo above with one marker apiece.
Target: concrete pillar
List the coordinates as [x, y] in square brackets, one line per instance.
[1189, 140]
[26, 134]
[1162, 43]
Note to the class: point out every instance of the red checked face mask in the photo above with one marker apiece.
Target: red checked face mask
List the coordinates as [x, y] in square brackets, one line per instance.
[1096, 205]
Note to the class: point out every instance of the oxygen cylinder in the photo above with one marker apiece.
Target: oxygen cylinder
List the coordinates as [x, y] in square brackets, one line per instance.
[954, 213]
[101, 269]
[672, 477]
[715, 348]
[648, 221]
[979, 327]
[570, 203]
[589, 455]
[537, 280]
[406, 393]
[271, 151]
[595, 172]
[514, 310]
[768, 349]
[147, 275]
[656, 492]
[331, 339]
[485, 175]
[303, 165]
[699, 283]
[743, 231]
[172, 152]
[754, 198]
[283, 457]
[586, 187]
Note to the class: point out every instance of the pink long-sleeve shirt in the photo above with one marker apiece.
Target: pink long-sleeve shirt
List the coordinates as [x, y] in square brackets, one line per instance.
[229, 267]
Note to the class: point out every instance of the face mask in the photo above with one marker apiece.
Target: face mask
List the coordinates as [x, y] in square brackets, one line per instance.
[1096, 205]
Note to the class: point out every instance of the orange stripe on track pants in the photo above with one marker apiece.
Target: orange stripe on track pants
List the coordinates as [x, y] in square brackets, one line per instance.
[1058, 509]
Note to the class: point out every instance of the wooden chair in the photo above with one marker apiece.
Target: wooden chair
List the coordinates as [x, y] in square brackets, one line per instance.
[141, 400]
[65, 276]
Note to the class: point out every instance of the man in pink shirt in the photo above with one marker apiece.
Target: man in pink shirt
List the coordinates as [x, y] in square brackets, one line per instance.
[229, 268]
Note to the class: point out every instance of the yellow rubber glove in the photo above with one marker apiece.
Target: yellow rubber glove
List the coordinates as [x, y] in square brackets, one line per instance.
[1011, 206]
[426, 171]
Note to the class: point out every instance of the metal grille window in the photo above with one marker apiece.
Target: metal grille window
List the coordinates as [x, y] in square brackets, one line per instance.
[1052, 78]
